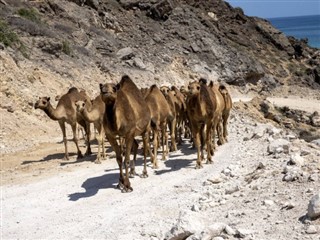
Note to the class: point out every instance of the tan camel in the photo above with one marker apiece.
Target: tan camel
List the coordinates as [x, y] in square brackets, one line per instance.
[226, 112]
[160, 115]
[94, 115]
[65, 112]
[127, 115]
[218, 126]
[181, 110]
[201, 108]
[171, 99]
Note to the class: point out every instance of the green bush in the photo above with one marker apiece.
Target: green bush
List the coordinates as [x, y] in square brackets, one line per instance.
[7, 36]
[66, 48]
[10, 39]
[30, 13]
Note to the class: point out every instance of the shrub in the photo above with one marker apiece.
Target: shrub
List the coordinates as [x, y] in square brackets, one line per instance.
[30, 13]
[7, 36]
[66, 48]
[10, 39]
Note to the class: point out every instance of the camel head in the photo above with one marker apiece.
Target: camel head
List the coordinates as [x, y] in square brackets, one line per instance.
[203, 81]
[194, 88]
[223, 90]
[165, 90]
[108, 91]
[42, 103]
[80, 105]
[57, 98]
[184, 90]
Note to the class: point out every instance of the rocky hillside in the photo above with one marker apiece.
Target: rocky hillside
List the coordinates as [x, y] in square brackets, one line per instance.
[49, 45]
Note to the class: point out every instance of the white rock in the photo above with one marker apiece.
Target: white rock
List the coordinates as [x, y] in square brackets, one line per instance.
[188, 223]
[296, 159]
[278, 143]
[268, 202]
[229, 230]
[312, 229]
[314, 206]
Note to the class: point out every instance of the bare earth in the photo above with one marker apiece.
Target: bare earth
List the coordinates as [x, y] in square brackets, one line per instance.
[46, 197]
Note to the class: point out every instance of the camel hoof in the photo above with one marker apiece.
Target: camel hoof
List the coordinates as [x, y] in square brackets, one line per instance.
[79, 156]
[97, 161]
[155, 167]
[144, 175]
[209, 161]
[198, 166]
[132, 174]
[127, 189]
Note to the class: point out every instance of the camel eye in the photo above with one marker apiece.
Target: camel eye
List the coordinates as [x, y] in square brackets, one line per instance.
[198, 87]
[44, 102]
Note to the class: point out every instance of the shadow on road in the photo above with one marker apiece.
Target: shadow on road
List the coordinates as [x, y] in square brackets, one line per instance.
[93, 185]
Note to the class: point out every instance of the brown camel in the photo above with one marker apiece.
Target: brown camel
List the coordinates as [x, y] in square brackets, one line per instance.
[181, 110]
[127, 115]
[65, 112]
[218, 124]
[160, 115]
[171, 99]
[94, 115]
[201, 108]
[226, 112]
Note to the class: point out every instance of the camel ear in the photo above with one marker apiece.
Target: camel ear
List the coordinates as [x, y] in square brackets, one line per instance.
[48, 98]
[116, 87]
[100, 86]
[210, 84]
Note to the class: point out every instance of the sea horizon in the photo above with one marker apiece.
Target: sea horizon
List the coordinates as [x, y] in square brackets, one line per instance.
[300, 27]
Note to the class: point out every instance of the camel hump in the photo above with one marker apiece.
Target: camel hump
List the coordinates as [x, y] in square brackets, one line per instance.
[125, 80]
[73, 89]
[154, 86]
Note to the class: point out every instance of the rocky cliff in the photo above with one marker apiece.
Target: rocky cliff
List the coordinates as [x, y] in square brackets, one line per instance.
[50, 45]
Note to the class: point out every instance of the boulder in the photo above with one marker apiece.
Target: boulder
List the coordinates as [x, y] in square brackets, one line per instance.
[314, 207]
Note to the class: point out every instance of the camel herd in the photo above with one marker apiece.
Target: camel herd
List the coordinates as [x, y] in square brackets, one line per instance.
[122, 111]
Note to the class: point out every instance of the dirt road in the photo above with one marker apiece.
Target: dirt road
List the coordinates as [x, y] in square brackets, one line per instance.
[43, 196]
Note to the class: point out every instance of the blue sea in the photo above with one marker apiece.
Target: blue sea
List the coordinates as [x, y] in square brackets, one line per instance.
[300, 27]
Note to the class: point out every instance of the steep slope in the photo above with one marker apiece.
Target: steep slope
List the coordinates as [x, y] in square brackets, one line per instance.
[57, 44]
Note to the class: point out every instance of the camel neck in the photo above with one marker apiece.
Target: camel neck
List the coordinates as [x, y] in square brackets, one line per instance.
[52, 113]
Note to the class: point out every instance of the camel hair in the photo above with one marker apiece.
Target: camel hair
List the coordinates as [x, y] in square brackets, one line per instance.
[65, 112]
[160, 115]
[201, 108]
[94, 115]
[127, 115]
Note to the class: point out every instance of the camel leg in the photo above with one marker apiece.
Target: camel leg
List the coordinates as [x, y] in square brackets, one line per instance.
[225, 125]
[133, 163]
[155, 149]
[173, 146]
[99, 138]
[75, 139]
[196, 131]
[164, 142]
[146, 149]
[63, 129]
[129, 142]
[208, 140]
[88, 132]
[115, 146]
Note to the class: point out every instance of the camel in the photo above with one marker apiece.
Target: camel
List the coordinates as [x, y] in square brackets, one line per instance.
[94, 115]
[218, 126]
[226, 111]
[171, 99]
[126, 115]
[65, 112]
[201, 107]
[160, 115]
[181, 110]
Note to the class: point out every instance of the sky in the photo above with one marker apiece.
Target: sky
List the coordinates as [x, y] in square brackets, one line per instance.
[277, 8]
